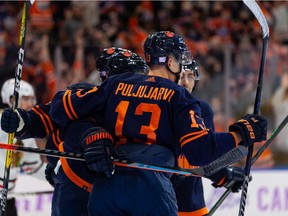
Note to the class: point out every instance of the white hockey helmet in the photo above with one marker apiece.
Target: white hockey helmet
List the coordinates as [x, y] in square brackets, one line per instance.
[7, 90]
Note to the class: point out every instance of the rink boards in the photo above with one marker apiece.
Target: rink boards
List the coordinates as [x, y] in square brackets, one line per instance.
[267, 195]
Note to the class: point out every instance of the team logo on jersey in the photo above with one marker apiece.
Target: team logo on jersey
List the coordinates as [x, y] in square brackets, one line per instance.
[150, 79]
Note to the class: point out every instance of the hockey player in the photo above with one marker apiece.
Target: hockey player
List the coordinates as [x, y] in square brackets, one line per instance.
[72, 186]
[29, 163]
[151, 119]
[73, 180]
[189, 191]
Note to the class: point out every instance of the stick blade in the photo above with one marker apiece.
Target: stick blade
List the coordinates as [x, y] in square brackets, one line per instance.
[255, 9]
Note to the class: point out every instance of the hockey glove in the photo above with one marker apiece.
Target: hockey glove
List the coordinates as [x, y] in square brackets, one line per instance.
[233, 177]
[99, 149]
[253, 128]
[12, 121]
[49, 174]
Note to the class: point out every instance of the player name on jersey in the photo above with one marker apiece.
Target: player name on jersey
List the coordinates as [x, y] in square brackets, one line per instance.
[144, 91]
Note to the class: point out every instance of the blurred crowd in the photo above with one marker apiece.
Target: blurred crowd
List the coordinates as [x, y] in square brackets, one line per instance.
[65, 37]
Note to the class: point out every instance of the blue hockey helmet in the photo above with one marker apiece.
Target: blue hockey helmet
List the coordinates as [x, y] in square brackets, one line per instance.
[158, 46]
[115, 60]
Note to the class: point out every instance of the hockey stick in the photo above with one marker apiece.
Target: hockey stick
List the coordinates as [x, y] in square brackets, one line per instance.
[230, 157]
[18, 74]
[255, 9]
[255, 157]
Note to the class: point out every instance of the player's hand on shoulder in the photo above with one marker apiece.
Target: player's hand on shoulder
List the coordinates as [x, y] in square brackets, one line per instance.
[99, 150]
[12, 121]
[252, 128]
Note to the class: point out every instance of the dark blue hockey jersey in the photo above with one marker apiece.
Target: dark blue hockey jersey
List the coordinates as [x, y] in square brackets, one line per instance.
[38, 124]
[189, 192]
[145, 109]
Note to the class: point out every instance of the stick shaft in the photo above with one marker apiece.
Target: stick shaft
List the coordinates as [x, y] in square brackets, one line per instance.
[250, 148]
[234, 155]
[255, 9]
[18, 74]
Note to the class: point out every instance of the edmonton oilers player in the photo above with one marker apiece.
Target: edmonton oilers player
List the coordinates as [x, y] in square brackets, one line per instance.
[151, 119]
[73, 180]
[189, 190]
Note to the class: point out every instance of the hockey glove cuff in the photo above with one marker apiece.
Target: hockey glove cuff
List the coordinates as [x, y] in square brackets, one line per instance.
[233, 178]
[13, 121]
[253, 128]
[99, 149]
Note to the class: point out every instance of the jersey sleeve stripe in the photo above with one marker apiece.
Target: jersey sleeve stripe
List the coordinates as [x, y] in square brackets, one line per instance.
[58, 136]
[43, 120]
[193, 138]
[47, 117]
[73, 176]
[55, 140]
[67, 103]
[71, 106]
[192, 134]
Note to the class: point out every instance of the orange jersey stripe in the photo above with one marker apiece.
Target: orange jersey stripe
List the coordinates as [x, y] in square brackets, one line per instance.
[71, 106]
[66, 105]
[46, 116]
[199, 212]
[193, 138]
[43, 120]
[183, 163]
[56, 139]
[71, 175]
[191, 134]
[58, 136]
